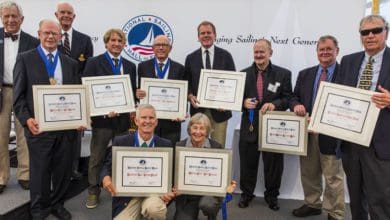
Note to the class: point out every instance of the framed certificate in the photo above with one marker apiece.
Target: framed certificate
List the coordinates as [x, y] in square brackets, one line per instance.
[168, 97]
[283, 132]
[60, 107]
[202, 171]
[109, 94]
[142, 171]
[221, 89]
[344, 112]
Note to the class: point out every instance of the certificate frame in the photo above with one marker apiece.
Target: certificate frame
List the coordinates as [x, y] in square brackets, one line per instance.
[221, 156]
[283, 124]
[205, 91]
[150, 85]
[126, 94]
[77, 97]
[161, 155]
[347, 99]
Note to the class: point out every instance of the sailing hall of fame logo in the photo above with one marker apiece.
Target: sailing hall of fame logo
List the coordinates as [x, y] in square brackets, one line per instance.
[140, 32]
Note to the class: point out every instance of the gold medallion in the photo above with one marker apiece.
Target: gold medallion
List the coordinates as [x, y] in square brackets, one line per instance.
[251, 128]
[52, 81]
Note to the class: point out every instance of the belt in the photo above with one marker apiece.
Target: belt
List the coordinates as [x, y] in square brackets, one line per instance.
[7, 85]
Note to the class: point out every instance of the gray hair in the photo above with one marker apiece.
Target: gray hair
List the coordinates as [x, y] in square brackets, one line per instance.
[200, 118]
[328, 37]
[9, 4]
[370, 18]
[49, 21]
[269, 44]
[144, 106]
[165, 38]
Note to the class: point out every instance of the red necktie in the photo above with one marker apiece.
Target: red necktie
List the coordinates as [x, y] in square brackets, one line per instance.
[259, 85]
[323, 77]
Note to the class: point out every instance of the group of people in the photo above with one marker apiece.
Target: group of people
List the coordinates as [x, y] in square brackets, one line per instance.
[47, 161]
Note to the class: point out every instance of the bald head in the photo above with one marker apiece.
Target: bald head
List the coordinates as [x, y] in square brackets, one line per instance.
[65, 15]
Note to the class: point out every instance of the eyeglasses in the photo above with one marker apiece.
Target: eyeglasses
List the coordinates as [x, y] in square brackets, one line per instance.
[48, 33]
[377, 30]
[161, 45]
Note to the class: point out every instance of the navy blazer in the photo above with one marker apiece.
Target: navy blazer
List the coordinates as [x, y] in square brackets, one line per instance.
[223, 60]
[119, 203]
[81, 49]
[99, 66]
[349, 75]
[176, 71]
[272, 75]
[26, 42]
[303, 94]
[30, 70]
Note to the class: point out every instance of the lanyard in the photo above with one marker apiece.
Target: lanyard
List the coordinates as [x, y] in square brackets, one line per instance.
[115, 70]
[136, 141]
[161, 73]
[49, 68]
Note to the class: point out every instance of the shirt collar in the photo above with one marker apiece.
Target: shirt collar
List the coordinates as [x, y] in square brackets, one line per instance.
[206, 143]
[141, 141]
[164, 62]
[112, 56]
[329, 69]
[47, 52]
[70, 31]
[210, 49]
[375, 57]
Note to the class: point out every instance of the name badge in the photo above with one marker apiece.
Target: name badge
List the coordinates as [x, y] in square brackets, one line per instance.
[273, 88]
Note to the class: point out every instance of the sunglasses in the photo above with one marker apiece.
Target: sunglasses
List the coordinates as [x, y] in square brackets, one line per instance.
[377, 30]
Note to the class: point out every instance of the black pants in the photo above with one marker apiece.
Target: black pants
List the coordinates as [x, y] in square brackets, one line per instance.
[50, 170]
[249, 163]
[368, 180]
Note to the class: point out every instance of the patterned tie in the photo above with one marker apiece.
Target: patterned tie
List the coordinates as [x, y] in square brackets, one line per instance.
[50, 59]
[144, 144]
[259, 85]
[66, 44]
[208, 64]
[160, 65]
[323, 77]
[366, 77]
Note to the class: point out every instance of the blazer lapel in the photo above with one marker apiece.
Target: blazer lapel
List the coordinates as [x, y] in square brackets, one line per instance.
[65, 69]
[385, 68]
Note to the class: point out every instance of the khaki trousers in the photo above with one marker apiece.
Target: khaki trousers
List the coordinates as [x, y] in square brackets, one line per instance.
[218, 129]
[23, 169]
[313, 167]
[151, 208]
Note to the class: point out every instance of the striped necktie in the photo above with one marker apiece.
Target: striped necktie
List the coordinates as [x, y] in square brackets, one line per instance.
[259, 85]
[66, 44]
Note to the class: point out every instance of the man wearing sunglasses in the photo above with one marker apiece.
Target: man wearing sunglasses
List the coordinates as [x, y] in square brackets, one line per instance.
[367, 169]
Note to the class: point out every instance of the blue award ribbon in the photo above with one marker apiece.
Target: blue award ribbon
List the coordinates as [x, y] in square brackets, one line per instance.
[49, 68]
[227, 199]
[136, 141]
[115, 70]
[162, 73]
[251, 116]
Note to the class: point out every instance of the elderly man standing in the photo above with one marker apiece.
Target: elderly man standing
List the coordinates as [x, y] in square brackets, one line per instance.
[12, 41]
[208, 56]
[105, 128]
[79, 47]
[153, 207]
[367, 169]
[267, 88]
[50, 154]
[162, 67]
[321, 157]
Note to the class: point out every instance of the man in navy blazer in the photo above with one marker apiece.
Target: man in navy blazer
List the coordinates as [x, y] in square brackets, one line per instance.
[208, 56]
[162, 67]
[152, 207]
[12, 41]
[79, 48]
[321, 157]
[105, 128]
[275, 87]
[367, 169]
[50, 155]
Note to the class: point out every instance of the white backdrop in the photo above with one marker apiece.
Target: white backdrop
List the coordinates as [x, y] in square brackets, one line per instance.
[293, 26]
